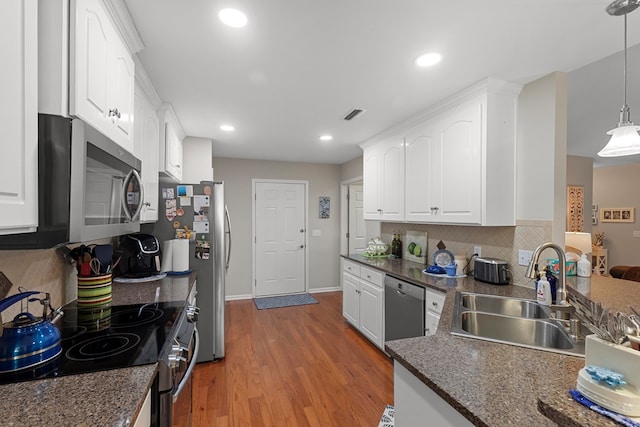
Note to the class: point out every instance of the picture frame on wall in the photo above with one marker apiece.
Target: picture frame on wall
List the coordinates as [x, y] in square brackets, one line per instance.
[325, 207]
[617, 215]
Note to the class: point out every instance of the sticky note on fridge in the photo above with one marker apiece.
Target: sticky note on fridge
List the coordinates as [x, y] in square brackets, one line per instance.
[201, 226]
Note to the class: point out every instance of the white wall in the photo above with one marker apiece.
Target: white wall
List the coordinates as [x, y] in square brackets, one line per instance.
[324, 180]
[617, 187]
[351, 169]
[541, 153]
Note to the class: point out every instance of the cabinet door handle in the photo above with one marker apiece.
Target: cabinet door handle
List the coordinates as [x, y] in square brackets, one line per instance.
[433, 303]
[114, 113]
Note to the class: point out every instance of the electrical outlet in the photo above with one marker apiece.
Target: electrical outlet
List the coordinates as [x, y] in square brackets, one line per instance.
[477, 250]
[524, 257]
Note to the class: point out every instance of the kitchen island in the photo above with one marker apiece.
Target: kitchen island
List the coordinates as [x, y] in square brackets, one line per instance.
[106, 398]
[493, 384]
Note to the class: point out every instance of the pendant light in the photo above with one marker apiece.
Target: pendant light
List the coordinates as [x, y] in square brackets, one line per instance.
[625, 140]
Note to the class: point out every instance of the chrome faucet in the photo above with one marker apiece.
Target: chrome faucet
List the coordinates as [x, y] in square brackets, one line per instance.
[561, 288]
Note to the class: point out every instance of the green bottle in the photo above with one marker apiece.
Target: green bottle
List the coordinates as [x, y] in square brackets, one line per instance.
[396, 246]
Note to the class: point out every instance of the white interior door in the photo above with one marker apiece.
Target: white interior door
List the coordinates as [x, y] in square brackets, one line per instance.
[280, 238]
[357, 230]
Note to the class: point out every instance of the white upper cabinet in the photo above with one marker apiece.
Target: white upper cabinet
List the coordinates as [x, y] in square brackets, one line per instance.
[102, 73]
[19, 112]
[422, 173]
[197, 159]
[146, 148]
[171, 136]
[456, 174]
[383, 165]
[459, 162]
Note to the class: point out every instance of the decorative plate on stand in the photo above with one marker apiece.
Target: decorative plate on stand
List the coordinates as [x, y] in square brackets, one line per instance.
[443, 258]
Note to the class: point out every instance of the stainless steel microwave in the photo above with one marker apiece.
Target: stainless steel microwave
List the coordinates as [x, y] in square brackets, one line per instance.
[88, 187]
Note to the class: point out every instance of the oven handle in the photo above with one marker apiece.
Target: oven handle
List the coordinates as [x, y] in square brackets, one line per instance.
[192, 363]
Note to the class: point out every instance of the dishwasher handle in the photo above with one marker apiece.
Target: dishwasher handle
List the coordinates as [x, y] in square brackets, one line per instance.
[404, 289]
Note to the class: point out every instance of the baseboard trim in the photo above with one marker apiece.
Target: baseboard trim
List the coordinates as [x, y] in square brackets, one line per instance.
[319, 290]
[237, 297]
[311, 291]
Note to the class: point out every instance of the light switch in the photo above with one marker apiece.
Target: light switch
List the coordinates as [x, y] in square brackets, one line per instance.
[636, 233]
[316, 233]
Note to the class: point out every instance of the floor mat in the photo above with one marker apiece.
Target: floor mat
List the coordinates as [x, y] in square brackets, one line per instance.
[284, 301]
[387, 417]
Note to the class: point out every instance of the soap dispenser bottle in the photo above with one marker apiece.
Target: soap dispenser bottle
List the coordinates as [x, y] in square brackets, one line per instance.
[543, 293]
[584, 266]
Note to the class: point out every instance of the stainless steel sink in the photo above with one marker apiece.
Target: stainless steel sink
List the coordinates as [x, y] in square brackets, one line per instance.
[512, 321]
[505, 305]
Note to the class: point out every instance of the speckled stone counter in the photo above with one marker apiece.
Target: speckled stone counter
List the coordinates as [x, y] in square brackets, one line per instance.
[107, 398]
[498, 384]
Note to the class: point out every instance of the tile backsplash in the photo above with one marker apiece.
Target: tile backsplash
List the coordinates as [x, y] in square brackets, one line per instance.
[495, 242]
[38, 270]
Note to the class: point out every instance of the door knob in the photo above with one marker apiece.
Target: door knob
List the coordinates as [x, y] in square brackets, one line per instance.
[302, 230]
[301, 246]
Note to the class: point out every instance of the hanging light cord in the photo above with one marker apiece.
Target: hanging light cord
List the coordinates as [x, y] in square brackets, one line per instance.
[625, 59]
[625, 116]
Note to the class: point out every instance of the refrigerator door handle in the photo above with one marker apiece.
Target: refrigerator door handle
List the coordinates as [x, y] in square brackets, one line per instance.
[228, 232]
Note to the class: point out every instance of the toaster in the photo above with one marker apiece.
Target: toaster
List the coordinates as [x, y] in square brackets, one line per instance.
[491, 270]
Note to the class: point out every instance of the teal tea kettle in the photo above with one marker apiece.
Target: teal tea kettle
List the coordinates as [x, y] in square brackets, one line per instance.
[28, 341]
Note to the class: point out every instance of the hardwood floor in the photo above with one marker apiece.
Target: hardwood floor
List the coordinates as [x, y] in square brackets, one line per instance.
[294, 366]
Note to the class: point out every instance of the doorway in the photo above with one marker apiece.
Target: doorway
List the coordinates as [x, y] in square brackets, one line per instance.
[352, 224]
[280, 237]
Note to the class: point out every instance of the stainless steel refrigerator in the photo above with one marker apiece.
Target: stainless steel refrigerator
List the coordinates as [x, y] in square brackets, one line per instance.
[199, 210]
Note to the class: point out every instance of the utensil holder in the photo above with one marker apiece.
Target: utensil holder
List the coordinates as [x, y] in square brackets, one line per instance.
[94, 291]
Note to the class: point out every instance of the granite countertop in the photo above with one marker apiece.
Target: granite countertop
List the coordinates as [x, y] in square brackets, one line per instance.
[107, 398]
[499, 384]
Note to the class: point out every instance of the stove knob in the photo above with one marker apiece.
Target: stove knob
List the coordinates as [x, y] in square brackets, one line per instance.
[175, 358]
[192, 313]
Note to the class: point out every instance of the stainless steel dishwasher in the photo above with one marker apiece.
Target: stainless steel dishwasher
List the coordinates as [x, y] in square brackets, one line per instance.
[403, 309]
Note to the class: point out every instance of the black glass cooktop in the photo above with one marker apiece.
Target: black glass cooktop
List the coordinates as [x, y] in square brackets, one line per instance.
[98, 339]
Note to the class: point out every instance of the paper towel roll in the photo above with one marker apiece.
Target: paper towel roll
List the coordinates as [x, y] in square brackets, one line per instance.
[180, 255]
[167, 256]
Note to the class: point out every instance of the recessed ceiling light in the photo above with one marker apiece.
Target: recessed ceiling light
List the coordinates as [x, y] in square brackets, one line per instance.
[428, 59]
[233, 18]
[227, 128]
[326, 138]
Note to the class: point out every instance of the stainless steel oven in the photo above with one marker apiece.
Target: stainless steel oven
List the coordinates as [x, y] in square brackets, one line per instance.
[175, 368]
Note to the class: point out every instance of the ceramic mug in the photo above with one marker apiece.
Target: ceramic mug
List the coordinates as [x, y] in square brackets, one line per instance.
[451, 269]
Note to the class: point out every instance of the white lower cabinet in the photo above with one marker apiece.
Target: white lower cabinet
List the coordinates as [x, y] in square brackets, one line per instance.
[433, 307]
[144, 416]
[415, 403]
[363, 300]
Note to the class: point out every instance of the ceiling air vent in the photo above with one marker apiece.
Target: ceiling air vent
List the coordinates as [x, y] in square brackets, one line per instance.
[353, 114]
